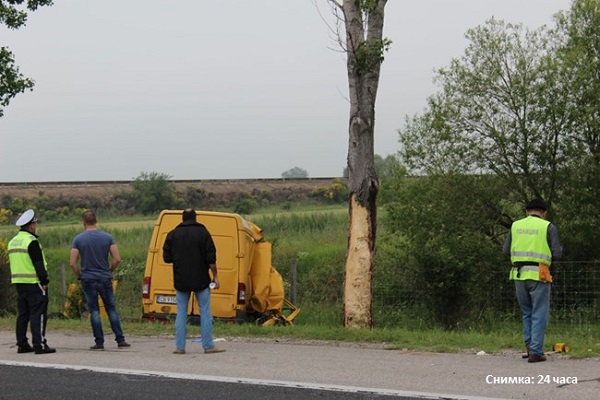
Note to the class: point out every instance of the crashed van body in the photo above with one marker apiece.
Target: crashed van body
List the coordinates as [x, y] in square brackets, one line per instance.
[250, 288]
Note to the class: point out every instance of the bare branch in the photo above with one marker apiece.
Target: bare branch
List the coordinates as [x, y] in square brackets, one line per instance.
[336, 3]
[338, 32]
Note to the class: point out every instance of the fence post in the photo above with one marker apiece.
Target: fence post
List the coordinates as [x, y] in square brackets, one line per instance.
[293, 278]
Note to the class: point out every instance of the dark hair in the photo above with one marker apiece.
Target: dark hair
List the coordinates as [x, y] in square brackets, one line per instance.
[536, 204]
[188, 214]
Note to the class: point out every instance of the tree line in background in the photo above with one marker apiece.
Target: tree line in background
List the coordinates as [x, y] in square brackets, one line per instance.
[152, 192]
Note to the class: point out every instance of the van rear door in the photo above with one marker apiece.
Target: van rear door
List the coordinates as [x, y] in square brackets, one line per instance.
[160, 301]
[224, 231]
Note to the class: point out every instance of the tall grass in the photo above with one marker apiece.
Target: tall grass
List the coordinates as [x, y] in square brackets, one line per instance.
[132, 241]
[316, 244]
[314, 241]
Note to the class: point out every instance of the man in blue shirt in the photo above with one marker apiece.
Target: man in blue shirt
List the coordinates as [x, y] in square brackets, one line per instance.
[93, 247]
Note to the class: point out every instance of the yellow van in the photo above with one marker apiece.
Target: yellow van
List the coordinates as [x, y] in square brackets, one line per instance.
[250, 288]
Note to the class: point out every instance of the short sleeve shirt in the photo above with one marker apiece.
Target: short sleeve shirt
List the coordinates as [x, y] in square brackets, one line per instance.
[94, 248]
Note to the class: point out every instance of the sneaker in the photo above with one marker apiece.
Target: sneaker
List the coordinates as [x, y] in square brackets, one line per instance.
[25, 349]
[123, 344]
[45, 350]
[97, 347]
[213, 350]
[177, 351]
[533, 358]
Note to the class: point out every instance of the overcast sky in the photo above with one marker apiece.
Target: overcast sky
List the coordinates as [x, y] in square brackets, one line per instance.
[216, 89]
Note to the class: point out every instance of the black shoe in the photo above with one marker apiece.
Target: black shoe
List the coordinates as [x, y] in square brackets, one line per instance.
[97, 347]
[45, 350]
[123, 344]
[526, 355]
[533, 358]
[25, 349]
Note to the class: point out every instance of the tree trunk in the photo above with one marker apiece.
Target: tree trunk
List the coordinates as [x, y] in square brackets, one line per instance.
[364, 48]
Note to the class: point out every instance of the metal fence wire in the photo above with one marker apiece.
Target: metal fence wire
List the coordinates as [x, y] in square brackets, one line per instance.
[575, 296]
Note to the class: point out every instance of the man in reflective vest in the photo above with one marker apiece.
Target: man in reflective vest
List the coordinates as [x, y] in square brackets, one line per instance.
[532, 243]
[29, 274]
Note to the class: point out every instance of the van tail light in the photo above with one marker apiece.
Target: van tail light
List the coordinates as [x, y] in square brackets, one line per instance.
[146, 288]
[241, 293]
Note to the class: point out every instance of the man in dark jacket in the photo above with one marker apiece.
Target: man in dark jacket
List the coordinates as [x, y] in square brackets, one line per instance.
[191, 249]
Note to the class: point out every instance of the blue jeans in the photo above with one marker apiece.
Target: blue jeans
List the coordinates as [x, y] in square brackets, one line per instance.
[104, 288]
[534, 299]
[206, 323]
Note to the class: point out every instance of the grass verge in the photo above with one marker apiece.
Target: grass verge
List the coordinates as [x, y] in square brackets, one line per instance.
[504, 338]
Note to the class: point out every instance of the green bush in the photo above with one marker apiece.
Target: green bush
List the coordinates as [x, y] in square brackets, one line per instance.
[337, 192]
[245, 205]
[153, 192]
[8, 296]
[439, 249]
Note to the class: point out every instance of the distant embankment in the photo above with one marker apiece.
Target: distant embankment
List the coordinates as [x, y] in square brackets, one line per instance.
[108, 188]
[176, 181]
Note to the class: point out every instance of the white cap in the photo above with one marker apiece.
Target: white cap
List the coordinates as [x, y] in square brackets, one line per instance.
[26, 218]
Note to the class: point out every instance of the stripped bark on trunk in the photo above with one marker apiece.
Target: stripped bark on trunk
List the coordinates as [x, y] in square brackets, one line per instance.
[364, 46]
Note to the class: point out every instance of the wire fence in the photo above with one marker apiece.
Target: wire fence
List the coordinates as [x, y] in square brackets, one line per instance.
[575, 296]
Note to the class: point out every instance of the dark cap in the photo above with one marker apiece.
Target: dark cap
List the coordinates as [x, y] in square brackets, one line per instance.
[188, 214]
[536, 204]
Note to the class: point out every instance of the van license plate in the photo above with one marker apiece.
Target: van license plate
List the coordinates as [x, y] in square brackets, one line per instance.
[166, 299]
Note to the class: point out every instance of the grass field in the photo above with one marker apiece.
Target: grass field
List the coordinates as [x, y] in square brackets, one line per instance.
[319, 238]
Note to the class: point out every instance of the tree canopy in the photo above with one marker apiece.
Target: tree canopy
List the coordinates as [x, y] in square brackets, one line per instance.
[295, 172]
[500, 110]
[13, 15]
[515, 117]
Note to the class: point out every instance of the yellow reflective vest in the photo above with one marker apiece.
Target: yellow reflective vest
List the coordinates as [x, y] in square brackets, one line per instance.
[22, 269]
[529, 244]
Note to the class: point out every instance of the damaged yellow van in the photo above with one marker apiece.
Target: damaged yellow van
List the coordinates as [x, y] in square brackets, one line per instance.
[250, 288]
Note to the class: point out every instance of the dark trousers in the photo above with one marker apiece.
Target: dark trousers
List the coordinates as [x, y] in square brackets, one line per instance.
[32, 303]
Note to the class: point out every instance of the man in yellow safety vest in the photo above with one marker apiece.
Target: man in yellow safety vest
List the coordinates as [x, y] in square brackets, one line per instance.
[29, 274]
[532, 243]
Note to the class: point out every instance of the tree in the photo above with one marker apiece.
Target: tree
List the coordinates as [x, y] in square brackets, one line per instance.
[295, 172]
[579, 55]
[500, 110]
[12, 82]
[153, 192]
[441, 243]
[364, 46]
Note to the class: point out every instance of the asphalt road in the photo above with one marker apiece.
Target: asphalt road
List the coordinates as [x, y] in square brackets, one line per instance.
[279, 368]
[54, 384]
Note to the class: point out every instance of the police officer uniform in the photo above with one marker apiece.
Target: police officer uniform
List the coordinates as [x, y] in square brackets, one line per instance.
[533, 243]
[29, 274]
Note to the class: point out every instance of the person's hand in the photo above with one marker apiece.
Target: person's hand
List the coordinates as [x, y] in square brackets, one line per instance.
[216, 282]
[45, 287]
